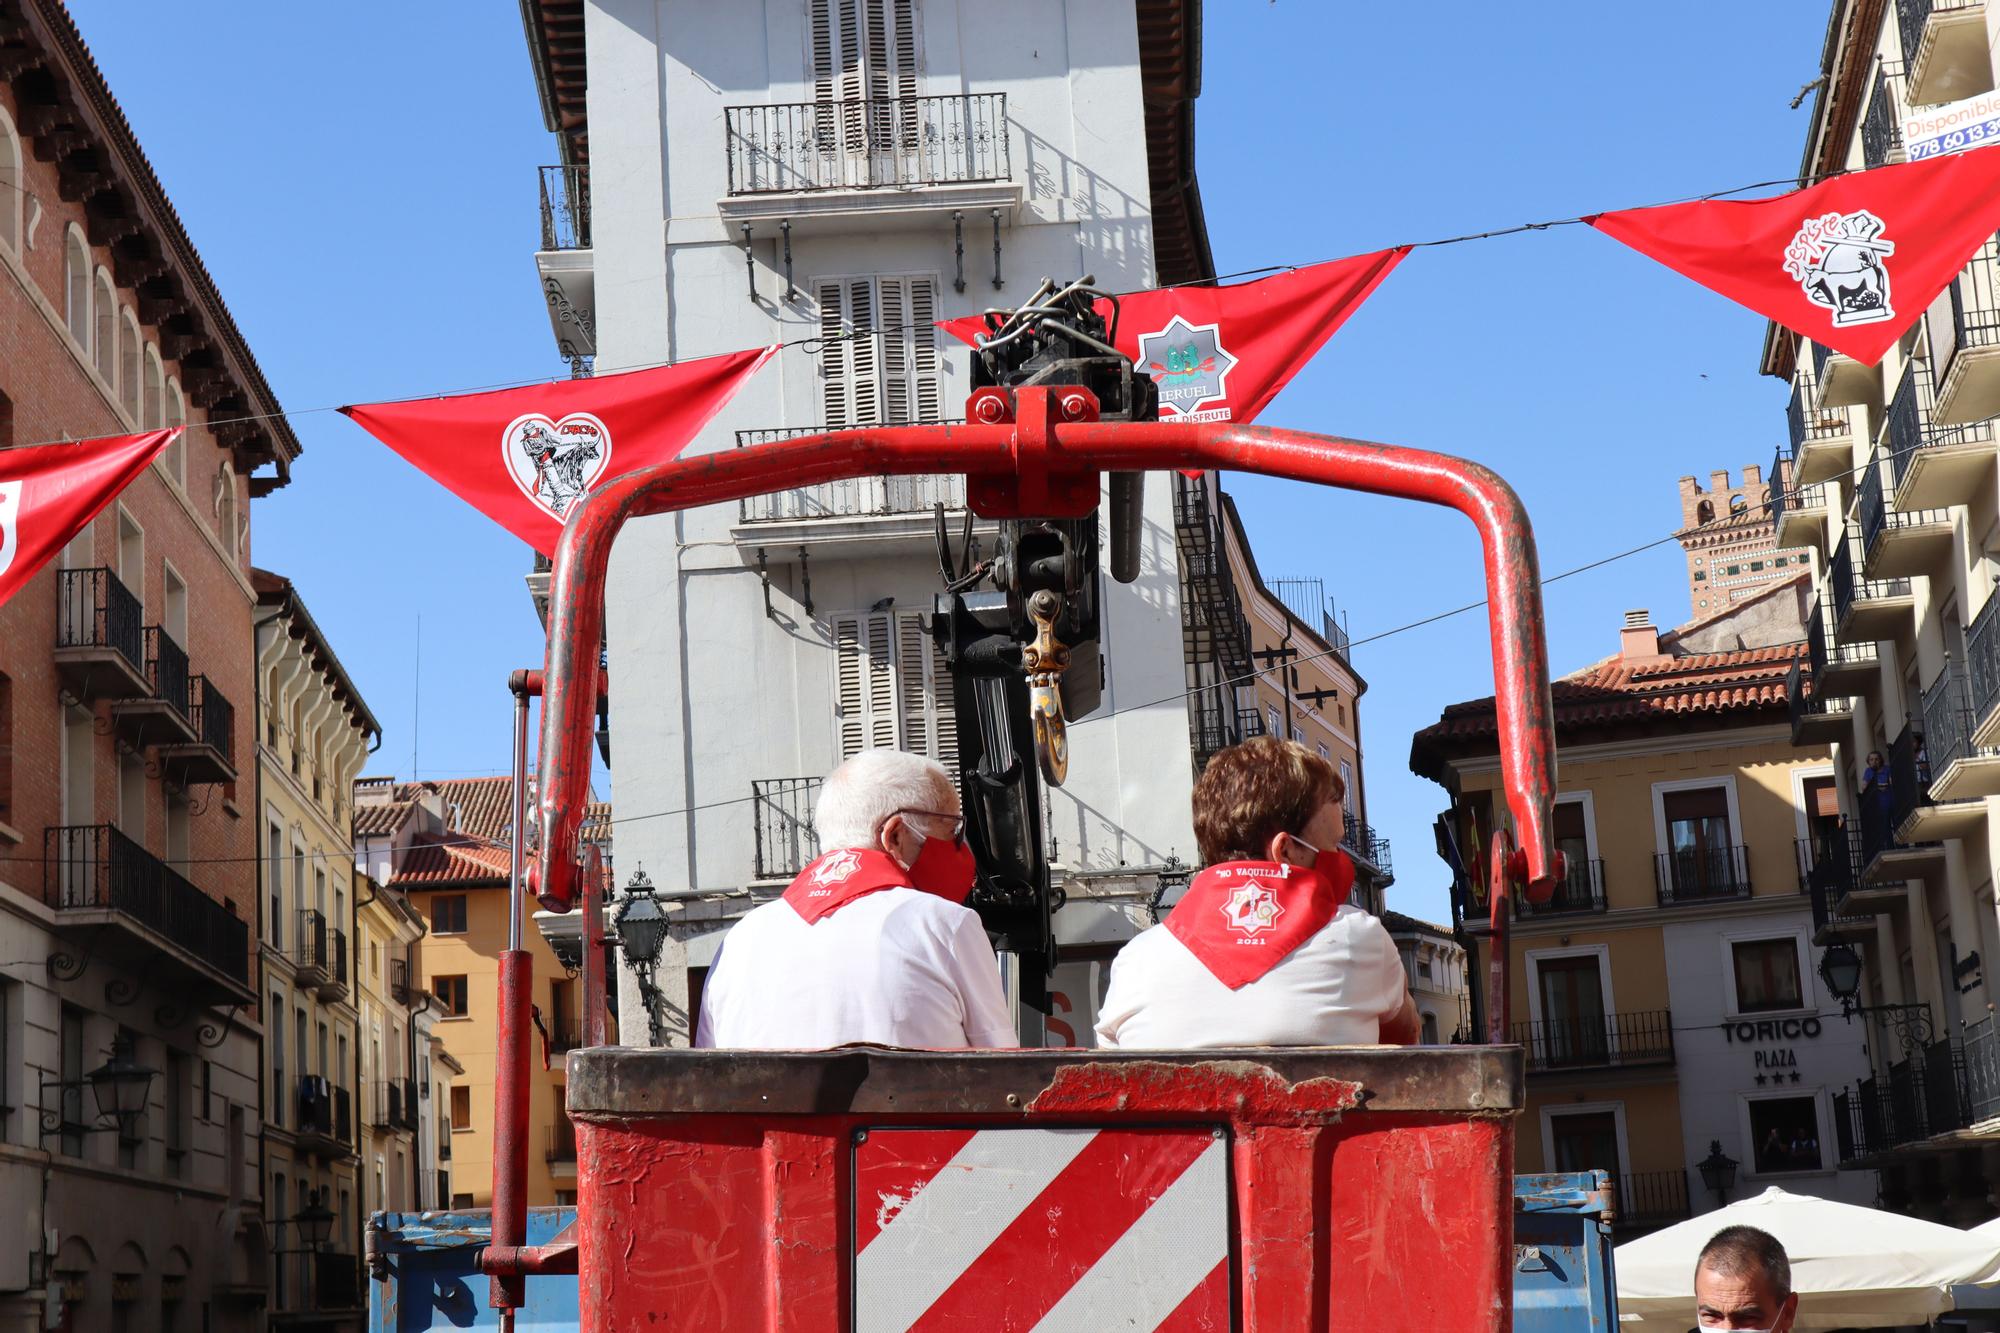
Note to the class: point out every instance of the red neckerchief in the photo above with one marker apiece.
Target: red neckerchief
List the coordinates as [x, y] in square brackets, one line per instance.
[839, 877]
[1243, 918]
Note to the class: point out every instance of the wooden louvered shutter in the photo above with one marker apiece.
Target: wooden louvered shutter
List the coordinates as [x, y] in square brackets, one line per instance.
[924, 694]
[836, 358]
[926, 387]
[896, 342]
[826, 92]
[865, 684]
[864, 353]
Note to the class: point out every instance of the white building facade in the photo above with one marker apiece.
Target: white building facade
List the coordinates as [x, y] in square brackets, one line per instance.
[803, 169]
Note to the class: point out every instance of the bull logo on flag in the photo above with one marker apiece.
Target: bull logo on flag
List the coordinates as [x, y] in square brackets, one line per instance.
[1837, 260]
[10, 516]
[1190, 365]
[1251, 909]
[555, 462]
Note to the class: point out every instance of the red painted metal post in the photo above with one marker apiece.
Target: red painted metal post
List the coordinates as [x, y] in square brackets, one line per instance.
[510, 1076]
[595, 974]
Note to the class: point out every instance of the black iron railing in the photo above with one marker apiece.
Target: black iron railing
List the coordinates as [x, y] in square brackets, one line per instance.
[336, 1281]
[1582, 890]
[1651, 1199]
[1934, 1089]
[850, 497]
[1948, 720]
[1981, 1048]
[1829, 867]
[409, 1120]
[871, 143]
[95, 610]
[1913, 428]
[783, 812]
[1844, 573]
[336, 969]
[310, 951]
[1701, 874]
[1215, 721]
[1814, 425]
[1821, 354]
[565, 208]
[1823, 648]
[562, 1141]
[1975, 304]
[1882, 126]
[1912, 15]
[565, 1032]
[1362, 842]
[1804, 699]
[94, 866]
[1602, 1041]
[1909, 783]
[167, 669]
[1982, 657]
[400, 989]
[388, 1104]
[213, 718]
[1306, 599]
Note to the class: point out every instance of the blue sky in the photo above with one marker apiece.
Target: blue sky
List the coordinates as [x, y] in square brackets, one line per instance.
[361, 181]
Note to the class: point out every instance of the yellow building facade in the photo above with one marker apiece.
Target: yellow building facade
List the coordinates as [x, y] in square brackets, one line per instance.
[1666, 994]
[314, 731]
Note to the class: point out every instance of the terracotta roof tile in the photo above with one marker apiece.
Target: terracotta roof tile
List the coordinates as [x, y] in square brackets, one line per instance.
[380, 820]
[430, 865]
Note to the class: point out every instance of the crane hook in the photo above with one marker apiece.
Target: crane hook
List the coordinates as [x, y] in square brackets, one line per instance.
[1045, 660]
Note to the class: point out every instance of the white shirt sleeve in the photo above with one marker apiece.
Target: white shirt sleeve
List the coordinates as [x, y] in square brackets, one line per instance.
[1115, 1009]
[1379, 982]
[975, 972]
[704, 1026]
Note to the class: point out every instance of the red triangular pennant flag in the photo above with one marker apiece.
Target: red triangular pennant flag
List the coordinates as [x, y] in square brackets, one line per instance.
[1851, 262]
[50, 492]
[1222, 353]
[522, 457]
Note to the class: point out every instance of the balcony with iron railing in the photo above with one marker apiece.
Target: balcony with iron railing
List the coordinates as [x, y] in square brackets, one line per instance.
[1213, 626]
[1701, 875]
[866, 144]
[1838, 380]
[411, 1110]
[782, 814]
[1829, 870]
[1648, 1200]
[1867, 610]
[1982, 660]
[1936, 465]
[1817, 716]
[100, 643]
[1216, 721]
[1800, 513]
[566, 263]
[1822, 437]
[1597, 1041]
[1962, 771]
[1892, 849]
[565, 207]
[1896, 542]
[160, 715]
[1580, 892]
[135, 908]
[1981, 1047]
[1929, 1092]
[211, 755]
[1835, 667]
[1369, 850]
[1882, 124]
[310, 957]
[1306, 599]
[325, 1117]
[562, 1144]
[1965, 356]
[388, 1107]
[1944, 49]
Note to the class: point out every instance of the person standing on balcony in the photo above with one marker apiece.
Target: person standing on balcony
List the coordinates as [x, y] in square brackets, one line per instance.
[1877, 797]
[872, 942]
[1263, 949]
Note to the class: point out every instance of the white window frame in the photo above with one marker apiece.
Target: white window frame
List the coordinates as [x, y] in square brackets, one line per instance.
[1531, 961]
[1549, 1113]
[1726, 781]
[1800, 776]
[1583, 798]
[1808, 990]
[1829, 1151]
[880, 345]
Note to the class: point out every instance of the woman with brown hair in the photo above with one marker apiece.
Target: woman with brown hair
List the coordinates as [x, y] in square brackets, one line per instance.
[1263, 949]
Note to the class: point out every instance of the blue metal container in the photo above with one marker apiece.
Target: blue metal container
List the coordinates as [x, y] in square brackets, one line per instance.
[425, 1275]
[1563, 1278]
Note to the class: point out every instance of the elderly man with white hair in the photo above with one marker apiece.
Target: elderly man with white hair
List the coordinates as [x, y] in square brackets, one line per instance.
[873, 941]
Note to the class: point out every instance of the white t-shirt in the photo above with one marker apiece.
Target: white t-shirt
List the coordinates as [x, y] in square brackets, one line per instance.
[898, 967]
[1333, 990]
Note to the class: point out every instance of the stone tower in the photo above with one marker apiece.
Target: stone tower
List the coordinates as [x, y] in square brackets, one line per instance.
[1729, 533]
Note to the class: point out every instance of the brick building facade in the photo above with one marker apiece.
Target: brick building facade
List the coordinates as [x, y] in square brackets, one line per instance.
[1729, 533]
[128, 903]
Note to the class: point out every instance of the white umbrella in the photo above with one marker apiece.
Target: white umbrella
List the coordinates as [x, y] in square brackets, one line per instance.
[1852, 1267]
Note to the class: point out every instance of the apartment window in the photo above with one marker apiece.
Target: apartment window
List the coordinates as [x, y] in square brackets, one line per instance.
[152, 402]
[277, 875]
[891, 375]
[1429, 1030]
[461, 1201]
[1767, 974]
[299, 875]
[178, 1092]
[132, 796]
[461, 1108]
[280, 1210]
[448, 914]
[565, 1198]
[129, 1144]
[70, 1038]
[1700, 846]
[303, 1053]
[319, 892]
[176, 414]
[128, 366]
[1299, 735]
[1272, 726]
[1786, 1132]
[76, 288]
[1700, 575]
[1573, 1029]
[1423, 967]
[276, 1103]
[891, 687]
[1585, 1141]
[451, 995]
[1326, 754]
[104, 328]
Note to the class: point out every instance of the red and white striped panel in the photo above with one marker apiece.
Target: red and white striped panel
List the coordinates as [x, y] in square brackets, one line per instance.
[1041, 1231]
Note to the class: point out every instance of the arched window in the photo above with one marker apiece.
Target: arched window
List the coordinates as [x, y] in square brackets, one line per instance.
[1737, 504]
[104, 329]
[225, 528]
[76, 288]
[177, 451]
[1704, 512]
[128, 365]
[10, 185]
[152, 406]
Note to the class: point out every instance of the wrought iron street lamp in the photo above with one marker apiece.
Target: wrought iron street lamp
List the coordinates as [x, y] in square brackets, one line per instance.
[641, 924]
[315, 1221]
[1718, 1172]
[1840, 968]
[121, 1087]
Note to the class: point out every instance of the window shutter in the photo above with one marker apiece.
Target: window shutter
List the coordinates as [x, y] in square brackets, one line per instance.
[924, 694]
[836, 366]
[865, 689]
[897, 338]
[926, 387]
[864, 354]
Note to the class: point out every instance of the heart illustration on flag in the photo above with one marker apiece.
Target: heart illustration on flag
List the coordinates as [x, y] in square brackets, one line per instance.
[555, 462]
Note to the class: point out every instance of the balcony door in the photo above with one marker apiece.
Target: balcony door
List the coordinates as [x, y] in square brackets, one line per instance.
[1700, 845]
[1573, 841]
[865, 61]
[1585, 1141]
[1574, 1026]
